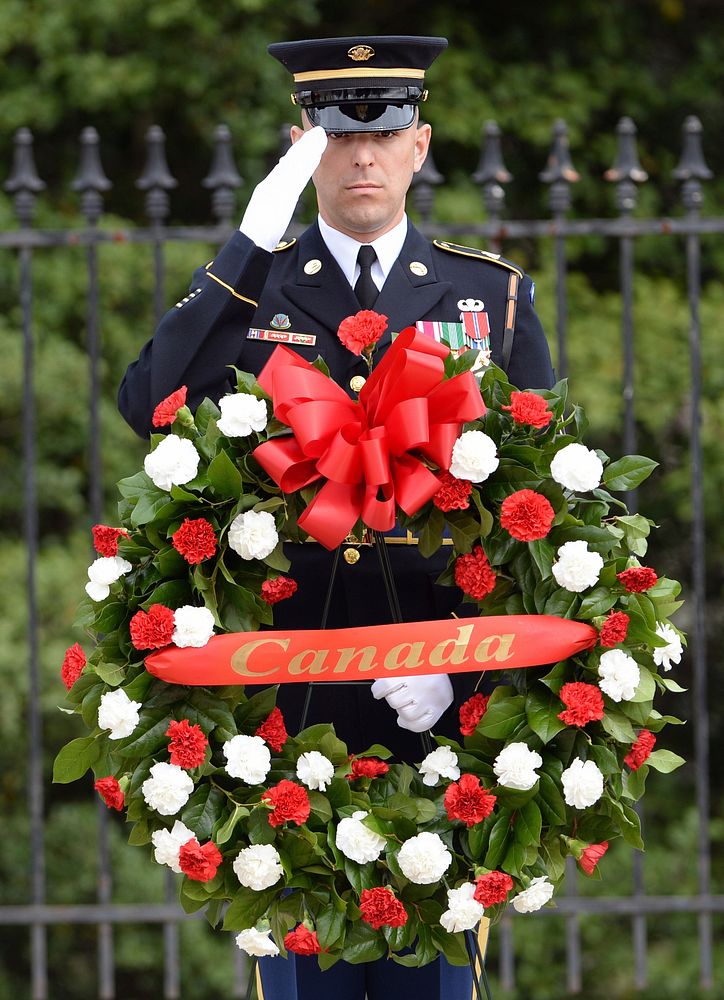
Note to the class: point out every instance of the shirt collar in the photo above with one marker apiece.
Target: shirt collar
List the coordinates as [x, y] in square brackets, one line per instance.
[344, 250]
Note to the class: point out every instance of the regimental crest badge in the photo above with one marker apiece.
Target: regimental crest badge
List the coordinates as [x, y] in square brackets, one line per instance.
[361, 53]
[280, 322]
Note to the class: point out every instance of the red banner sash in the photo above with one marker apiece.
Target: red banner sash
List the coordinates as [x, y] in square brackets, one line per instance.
[458, 645]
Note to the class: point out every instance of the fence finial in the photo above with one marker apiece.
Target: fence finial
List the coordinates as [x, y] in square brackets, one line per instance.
[23, 181]
[626, 172]
[223, 177]
[692, 168]
[424, 183]
[156, 178]
[559, 172]
[91, 179]
[492, 173]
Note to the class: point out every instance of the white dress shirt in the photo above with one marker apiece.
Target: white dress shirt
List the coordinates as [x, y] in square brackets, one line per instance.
[344, 250]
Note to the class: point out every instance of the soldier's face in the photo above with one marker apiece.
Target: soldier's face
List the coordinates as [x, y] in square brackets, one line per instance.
[363, 178]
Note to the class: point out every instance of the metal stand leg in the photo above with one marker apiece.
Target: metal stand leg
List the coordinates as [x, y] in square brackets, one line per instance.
[325, 616]
[480, 980]
[252, 976]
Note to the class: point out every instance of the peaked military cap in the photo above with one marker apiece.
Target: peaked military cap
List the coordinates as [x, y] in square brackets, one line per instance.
[365, 84]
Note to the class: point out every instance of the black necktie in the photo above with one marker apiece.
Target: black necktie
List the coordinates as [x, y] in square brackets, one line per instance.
[365, 289]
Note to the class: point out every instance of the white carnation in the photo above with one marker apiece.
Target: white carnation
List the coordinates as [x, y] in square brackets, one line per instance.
[118, 713]
[192, 626]
[169, 842]
[441, 763]
[315, 770]
[254, 942]
[664, 656]
[474, 457]
[253, 534]
[356, 841]
[241, 414]
[173, 462]
[515, 766]
[168, 789]
[463, 912]
[576, 467]
[582, 784]
[102, 573]
[424, 859]
[620, 675]
[258, 867]
[577, 568]
[536, 895]
[248, 758]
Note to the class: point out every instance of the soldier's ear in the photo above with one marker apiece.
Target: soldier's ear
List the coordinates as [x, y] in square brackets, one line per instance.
[295, 133]
[422, 145]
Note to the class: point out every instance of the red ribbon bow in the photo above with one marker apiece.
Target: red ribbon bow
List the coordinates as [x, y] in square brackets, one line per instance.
[364, 449]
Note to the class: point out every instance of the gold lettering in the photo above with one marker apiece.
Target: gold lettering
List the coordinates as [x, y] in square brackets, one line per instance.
[396, 658]
[452, 650]
[347, 654]
[240, 659]
[314, 666]
[495, 647]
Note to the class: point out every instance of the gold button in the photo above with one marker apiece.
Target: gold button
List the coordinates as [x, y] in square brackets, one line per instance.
[356, 382]
[312, 266]
[418, 268]
[351, 556]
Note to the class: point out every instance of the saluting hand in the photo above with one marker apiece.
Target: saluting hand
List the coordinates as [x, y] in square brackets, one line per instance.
[418, 701]
[272, 204]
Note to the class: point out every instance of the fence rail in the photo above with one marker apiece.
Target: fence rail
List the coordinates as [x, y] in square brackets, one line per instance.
[559, 176]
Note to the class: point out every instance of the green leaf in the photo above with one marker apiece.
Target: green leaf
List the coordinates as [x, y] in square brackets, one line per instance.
[223, 834]
[502, 717]
[259, 828]
[551, 800]
[202, 811]
[499, 836]
[224, 477]
[75, 759]
[148, 736]
[542, 708]
[628, 472]
[430, 534]
[664, 761]
[618, 726]
[597, 602]
[528, 824]
[111, 673]
[247, 907]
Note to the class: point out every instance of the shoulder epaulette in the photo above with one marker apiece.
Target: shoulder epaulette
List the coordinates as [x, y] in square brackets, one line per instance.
[284, 245]
[476, 254]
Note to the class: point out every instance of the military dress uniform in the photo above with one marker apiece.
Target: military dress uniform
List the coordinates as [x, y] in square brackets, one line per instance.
[248, 300]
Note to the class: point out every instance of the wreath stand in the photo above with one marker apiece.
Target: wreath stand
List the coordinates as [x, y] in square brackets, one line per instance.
[475, 942]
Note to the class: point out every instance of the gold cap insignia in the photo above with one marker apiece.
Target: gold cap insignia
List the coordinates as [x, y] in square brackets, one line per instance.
[361, 53]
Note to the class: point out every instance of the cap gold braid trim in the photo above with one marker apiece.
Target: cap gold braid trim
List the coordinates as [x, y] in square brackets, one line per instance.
[484, 255]
[353, 72]
[231, 290]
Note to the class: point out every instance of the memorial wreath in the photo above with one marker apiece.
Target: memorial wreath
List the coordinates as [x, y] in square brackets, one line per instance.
[297, 841]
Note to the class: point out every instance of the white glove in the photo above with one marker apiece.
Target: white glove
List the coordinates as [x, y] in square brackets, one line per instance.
[418, 701]
[272, 204]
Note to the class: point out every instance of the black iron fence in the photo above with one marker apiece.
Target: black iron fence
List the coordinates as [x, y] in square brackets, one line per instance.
[687, 225]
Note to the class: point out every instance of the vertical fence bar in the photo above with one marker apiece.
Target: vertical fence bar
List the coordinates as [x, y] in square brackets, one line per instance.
[573, 932]
[90, 182]
[24, 184]
[691, 171]
[507, 955]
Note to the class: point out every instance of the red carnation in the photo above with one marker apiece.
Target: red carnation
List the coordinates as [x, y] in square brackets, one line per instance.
[165, 412]
[290, 802]
[584, 703]
[527, 515]
[188, 744]
[302, 941]
[527, 408]
[195, 540]
[473, 574]
[73, 663]
[367, 767]
[591, 856]
[639, 752]
[152, 629]
[471, 712]
[105, 539]
[637, 579]
[199, 862]
[278, 589]
[273, 730]
[111, 792]
[492, 888]
[614, 629]
[380, 907]
[453, 494]
[359, 333]
[468, 800]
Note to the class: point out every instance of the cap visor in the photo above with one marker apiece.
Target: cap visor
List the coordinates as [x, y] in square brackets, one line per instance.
[362, 117]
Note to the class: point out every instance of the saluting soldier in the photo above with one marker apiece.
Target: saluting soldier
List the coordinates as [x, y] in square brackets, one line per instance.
[360, 141]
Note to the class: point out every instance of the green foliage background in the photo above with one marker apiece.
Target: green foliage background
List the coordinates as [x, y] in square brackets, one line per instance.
[189, 65]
